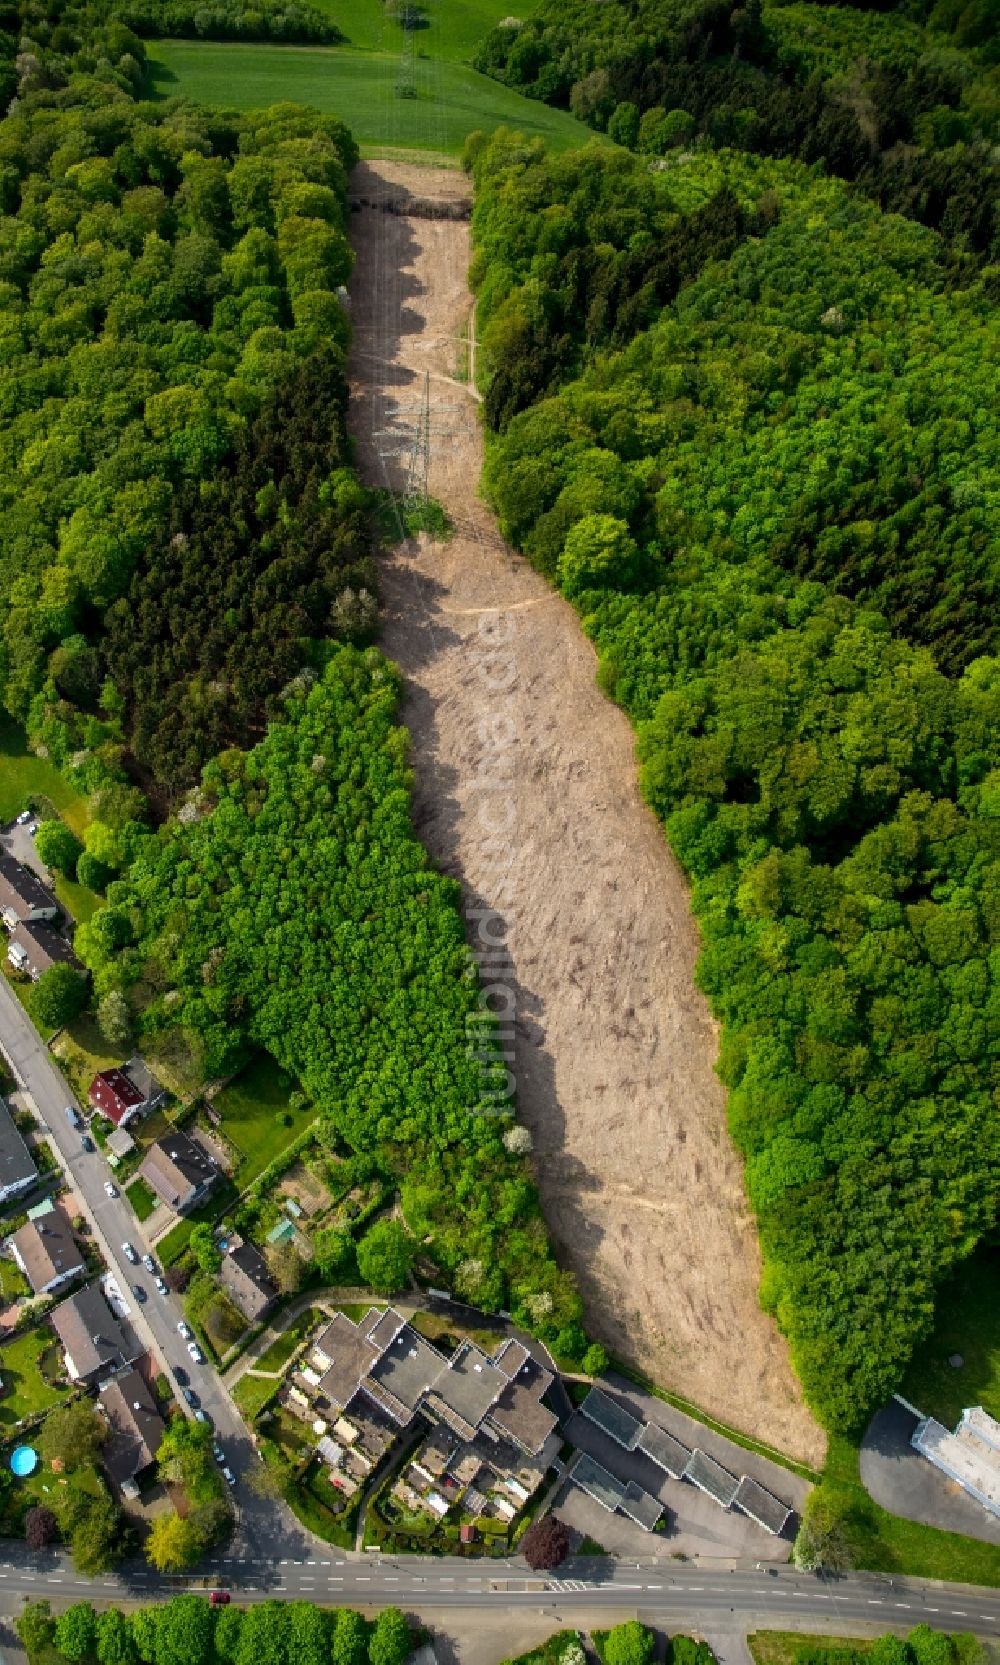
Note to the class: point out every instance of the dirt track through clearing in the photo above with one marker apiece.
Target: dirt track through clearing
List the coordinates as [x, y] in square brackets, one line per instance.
[641, 1187]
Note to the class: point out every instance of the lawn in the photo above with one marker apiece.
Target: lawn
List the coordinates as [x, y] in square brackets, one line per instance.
[360, 87]
[968, 1323]
[453, 31]
[252, 1393]
[141, 1198]
[75, 899]
[281, 1350]
[251, 1108]
[82, 1053]
[12, 1281]
[25, 1389]
[780, 1647]
[22, 773]
[880, 1542]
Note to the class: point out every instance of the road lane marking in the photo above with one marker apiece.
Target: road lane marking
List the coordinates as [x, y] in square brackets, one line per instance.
[876, 1601]
[933, 1609]
[959, 1613]
[902, 1604]
[654, 1586]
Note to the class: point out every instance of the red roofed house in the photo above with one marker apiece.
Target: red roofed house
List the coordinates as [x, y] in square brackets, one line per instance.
[116, 1096]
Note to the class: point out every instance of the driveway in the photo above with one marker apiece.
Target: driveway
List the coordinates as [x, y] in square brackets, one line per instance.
[906, 1484]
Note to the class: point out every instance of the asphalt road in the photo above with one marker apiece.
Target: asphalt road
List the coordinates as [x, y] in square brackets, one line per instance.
[685, 1599]
[265, 1525]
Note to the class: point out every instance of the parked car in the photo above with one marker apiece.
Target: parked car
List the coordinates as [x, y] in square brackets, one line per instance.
[200, 1416]
[109, 1189]
[88, 1143]
[195, 1352]
[130, 1254]
[219, 1598]
[32, 828]
[180, 1375]
[183, 1329]
[149, 1263]
[228, 1476]
[161, 1286]
[139, 1293]
[73, 1116]
[191, 1397]
[25, 815]
[218, 1453]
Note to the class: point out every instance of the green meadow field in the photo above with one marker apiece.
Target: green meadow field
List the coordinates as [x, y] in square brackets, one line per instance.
[359, 86]
[453, 29]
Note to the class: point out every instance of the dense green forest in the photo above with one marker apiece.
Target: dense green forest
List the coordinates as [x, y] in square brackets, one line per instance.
[810, 415]
[905, 103]
[183, 545]
[302, 915]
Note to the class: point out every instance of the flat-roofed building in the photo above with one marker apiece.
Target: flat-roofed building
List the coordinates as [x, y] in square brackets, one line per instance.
[709, 1476]
[970, 1456]
[762, 1506]
[641, 1506]
[595, 1480]
[667, 1452]
[612, 1418]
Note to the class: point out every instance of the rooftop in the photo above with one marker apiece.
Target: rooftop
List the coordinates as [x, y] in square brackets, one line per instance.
[965, 1460]
[19, 886]
[350, 1356]
[176, 1163]
[709, 1476]
[761, 1505]
[91, 1334]
[47, 1249]
[16, 1162]
[598, 1483]
[612, 1418]
[641, 1506]
[245, 1275]
[519, 1410]
[43, 946]
[664, 1449]
[408, 1367]
[113, 1093]
[135, 1426]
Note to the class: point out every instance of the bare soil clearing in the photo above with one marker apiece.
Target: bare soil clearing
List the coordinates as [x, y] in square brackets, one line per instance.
[642, 1189]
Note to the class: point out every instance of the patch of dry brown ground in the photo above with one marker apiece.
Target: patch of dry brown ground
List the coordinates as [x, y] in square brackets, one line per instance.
[641, 1187]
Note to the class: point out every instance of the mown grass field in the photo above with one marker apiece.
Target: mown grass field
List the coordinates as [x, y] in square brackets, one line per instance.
[252, 1109]
[452, 101]
[453, 28]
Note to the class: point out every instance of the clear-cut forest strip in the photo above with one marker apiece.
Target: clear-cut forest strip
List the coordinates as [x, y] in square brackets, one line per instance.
[641, 1187]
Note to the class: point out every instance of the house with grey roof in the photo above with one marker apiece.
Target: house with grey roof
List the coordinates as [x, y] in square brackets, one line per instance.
[95, 1343]
[179, 1171]
[36, 948]
[18, 1172]
[47, 1252]
[23, 897]
[245, 1278]
[135, 1426]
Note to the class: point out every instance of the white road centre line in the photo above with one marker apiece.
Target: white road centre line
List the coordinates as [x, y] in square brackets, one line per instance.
[959, 1613]
[876, 1601]
[933, 1609]
[903, 1604]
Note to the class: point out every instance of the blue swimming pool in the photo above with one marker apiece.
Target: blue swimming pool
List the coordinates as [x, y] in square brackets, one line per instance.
[23, 1461]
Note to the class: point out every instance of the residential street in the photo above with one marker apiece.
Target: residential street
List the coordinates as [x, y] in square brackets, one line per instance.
[264, 1524]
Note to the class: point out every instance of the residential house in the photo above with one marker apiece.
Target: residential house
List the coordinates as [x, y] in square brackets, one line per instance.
[37, 948]
[23, 897]
[115, 1096]
[179, 1171]
[95, 1343]
[135, 1426]
[125, 1093]
[47, 1252]
[120, 1143]
[17, 1167]
[245, 1277]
